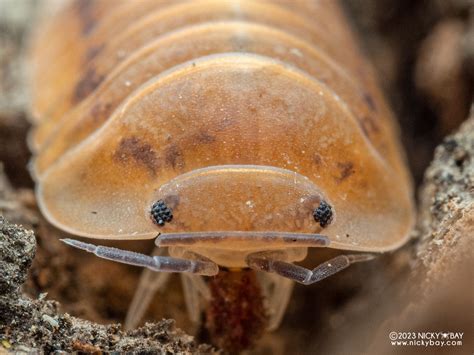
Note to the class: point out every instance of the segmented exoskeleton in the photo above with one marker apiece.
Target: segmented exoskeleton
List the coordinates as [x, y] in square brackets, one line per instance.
[242, 132]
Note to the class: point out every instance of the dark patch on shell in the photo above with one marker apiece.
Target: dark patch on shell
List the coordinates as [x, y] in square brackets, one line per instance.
[161, 213]
[89, 82]
[323, 214]
[132, 149]
[204, 138]
[317, 159]
[346, 169]
[93, 52]
[85, 11]
[174, 157]
[369, 101]
[369, 126]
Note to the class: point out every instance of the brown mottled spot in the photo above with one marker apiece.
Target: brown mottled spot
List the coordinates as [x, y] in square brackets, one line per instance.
[363, 185]
[369, 126]
[346, 169]
[224, 124]
[277, 102]
[204, 138]
[252, 109]
[317, 159]
[86, 85]
[85, 11]
[369, 101]
[131, 150]
[174, 157]
[93, 52]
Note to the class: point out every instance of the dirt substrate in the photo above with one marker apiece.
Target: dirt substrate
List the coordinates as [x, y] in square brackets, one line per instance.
[424, 54]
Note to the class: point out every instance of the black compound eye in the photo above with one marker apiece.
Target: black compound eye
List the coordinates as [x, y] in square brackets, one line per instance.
[161, 213]
[323, 214]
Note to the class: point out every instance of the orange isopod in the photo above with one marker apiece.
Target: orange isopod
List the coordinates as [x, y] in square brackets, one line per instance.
[238, 133]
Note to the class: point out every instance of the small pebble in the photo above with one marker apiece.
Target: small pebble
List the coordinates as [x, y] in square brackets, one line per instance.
[50, 320]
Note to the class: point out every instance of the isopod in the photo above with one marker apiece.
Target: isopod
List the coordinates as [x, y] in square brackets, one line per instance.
[238, 134]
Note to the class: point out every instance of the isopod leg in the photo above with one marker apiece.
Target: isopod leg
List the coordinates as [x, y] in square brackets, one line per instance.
[277, 291]
[191, 297]
[274, 262]
[149, 284]
[194, 289]
[154, 263]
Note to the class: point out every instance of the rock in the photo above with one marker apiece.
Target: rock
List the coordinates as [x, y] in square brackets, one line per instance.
[447, 205]
[17, 250]
[438, 289]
